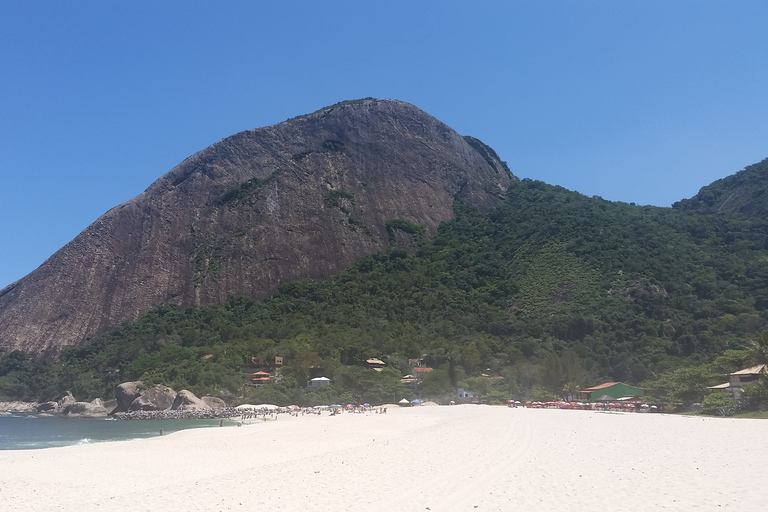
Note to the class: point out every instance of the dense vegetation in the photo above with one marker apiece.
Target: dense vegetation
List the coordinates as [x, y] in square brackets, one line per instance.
[552, 290]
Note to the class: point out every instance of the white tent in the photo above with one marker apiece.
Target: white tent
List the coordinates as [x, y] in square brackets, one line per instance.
[260, 406]
[270, 407]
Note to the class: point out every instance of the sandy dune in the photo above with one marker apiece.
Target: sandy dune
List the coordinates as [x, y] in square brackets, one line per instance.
[425, 458]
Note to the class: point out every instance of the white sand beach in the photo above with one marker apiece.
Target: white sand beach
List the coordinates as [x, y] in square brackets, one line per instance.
[473, 458]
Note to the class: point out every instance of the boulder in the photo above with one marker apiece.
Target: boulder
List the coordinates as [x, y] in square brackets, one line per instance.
[65, 401]
[187, 401]
[125, 394]
[17, 406]
[156, 398]
[47, 406]
[110, 405]
[214, 402]
[94, 409]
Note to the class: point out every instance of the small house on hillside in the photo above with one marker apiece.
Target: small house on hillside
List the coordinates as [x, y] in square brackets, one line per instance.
[420, 372]
[611, 391]
[267, 363]
[318, 382]
[738, 380]
[376, 364]
[260, 378]
[465, 393]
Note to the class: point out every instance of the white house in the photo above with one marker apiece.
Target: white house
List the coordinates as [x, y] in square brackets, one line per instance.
[464, 393]
[318, 382]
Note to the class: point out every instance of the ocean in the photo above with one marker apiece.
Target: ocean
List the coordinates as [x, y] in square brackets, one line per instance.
[28, 431]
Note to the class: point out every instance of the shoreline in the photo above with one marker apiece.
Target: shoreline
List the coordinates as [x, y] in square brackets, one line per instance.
[446, 458]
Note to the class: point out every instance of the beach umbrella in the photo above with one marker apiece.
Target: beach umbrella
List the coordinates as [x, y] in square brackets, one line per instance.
[366, 404]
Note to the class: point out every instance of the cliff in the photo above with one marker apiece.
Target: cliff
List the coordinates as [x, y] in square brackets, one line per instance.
[302, 199]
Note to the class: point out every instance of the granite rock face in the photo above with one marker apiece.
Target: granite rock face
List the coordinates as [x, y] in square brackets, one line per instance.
[302, 199]
[65, 401]
[214, 402]
[125, 394]
[47, 406]
[93, 409]
[188, 401]
[156, 398]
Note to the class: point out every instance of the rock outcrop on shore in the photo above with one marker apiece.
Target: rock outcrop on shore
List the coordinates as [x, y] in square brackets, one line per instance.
[187, 401]
[156, 402]
[93, 409]
[214, 402]
[18, 406]
[162, 402]
[125, 394]
[66, 401]
[156, 398]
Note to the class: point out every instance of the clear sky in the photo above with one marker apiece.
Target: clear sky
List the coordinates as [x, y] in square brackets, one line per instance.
[635, 101]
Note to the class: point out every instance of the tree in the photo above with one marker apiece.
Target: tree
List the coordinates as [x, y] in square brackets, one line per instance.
[758, 348]
[570, 390]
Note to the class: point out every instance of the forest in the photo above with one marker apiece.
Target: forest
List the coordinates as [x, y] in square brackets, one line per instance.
[552, 290]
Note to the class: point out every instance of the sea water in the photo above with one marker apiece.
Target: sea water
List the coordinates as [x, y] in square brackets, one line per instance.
[29, 431]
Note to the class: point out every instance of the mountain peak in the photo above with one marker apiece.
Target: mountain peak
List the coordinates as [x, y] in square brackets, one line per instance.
[305, 198]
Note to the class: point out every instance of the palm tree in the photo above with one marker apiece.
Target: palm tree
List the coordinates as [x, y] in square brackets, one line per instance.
[570, 389]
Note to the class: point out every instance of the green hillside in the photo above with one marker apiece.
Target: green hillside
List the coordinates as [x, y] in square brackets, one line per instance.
[550, 290]
[745, 192]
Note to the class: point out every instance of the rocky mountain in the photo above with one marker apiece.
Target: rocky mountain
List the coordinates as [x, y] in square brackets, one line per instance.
[302, 199]
[745, 193]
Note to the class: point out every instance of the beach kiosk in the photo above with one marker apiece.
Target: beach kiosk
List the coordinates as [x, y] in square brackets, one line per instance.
[609, 391]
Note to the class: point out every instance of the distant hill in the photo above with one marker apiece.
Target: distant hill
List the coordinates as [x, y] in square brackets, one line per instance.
[745, 193]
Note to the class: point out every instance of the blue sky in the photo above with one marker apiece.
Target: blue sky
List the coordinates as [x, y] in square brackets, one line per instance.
[641, 102]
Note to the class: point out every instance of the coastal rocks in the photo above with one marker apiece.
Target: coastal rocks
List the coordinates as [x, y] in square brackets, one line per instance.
[47, 406]
[162, 402]
[110, 405]
[65, 402]
[93, 409]
[187, 401]
[156, 398]
[17, 406]
[125, 394]
[214, 402]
